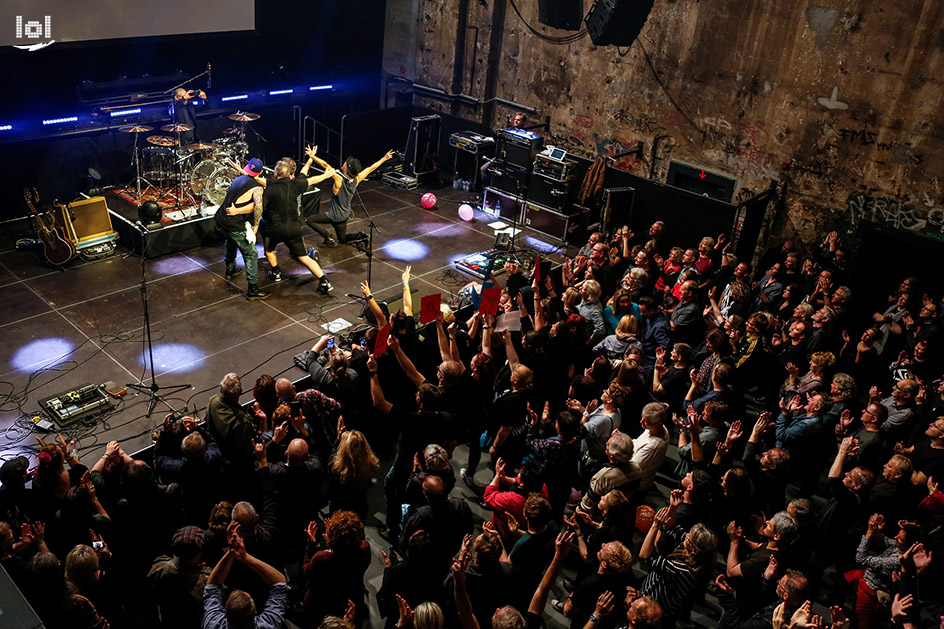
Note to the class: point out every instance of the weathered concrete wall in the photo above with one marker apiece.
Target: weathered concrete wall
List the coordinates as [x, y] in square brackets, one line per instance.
[839, 100]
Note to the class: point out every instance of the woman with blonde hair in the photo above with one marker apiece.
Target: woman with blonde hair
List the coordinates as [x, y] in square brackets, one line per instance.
[622, 340]
[352, 468]
[812, 380]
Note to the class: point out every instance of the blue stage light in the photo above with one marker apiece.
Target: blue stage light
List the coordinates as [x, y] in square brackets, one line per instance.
[42, 353]
[320, 87]
[125, 112]
[61, 120]
[277, 92]
[5, 127]
[405, 249]
[238, 97]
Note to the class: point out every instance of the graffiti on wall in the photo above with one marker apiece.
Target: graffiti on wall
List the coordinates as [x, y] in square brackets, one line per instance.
[891, 212]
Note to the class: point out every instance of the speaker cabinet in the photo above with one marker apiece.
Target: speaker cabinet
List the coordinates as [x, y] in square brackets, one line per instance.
[617, 22]
[87, 219]
[563, 14]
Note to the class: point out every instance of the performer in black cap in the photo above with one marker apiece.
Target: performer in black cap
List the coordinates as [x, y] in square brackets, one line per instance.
[238, 217]
[339, 212]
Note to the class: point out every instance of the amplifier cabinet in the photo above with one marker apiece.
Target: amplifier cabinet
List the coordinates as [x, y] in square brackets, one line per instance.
[519, 147]
[565, 227]
[550, 193]
[502, 205]
[508, 178]
[472, 142]
[87, 219]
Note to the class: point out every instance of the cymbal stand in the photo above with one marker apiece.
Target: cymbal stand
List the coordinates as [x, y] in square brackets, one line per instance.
[136, 160]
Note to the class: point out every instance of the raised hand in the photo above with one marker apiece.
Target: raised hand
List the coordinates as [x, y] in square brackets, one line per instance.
[604, 604]
[406, 614]
[365, 288]
[341, 427]
[189, 423]
[772, 569]
[350, 611]
[312, 532]
[900, 606]
[838, 617]
[512, 523]
[734, 532]
[405, 276]
[500, 468]
[280, 432]
[734, 432]
[168, 423]
[723, 585]
[564, 542]
[675, 498]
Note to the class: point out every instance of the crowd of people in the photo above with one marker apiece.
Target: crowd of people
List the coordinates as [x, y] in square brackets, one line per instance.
[668, 424]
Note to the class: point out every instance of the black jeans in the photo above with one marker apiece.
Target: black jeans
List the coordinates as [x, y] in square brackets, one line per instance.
[318, 222]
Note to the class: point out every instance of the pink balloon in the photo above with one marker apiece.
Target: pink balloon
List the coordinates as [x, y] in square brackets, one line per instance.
[466, 212]
[428, 201]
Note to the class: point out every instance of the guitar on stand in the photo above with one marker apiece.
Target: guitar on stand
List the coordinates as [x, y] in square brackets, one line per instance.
[57, 249]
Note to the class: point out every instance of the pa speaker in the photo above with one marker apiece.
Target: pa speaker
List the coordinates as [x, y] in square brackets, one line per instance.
[563, 14]
[617, 22]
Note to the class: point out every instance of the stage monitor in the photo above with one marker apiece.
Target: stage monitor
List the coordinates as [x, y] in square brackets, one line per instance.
[38, 22]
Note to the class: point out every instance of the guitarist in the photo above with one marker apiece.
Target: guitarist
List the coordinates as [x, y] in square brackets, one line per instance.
[242, 205]
[339, 211]
[57, 249]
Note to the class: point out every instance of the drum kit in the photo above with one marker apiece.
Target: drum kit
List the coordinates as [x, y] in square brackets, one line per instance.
[187, 175]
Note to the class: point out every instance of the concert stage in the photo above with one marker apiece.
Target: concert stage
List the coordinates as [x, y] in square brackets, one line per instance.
[65, 328]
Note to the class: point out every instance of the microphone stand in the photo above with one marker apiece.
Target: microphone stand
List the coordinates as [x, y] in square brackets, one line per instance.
[153, 388]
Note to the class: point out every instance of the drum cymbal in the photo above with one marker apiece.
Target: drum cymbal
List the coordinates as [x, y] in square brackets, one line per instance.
[161, 140]
[233, 131]
[202, 146]
[173, 128]
[135, 128]
[243, 117]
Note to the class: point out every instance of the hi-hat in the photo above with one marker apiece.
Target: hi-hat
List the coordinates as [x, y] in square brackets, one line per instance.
[202, 146]
[174, 128]
[233, 131]
[243, 117]
[135, 128]
[161, 140]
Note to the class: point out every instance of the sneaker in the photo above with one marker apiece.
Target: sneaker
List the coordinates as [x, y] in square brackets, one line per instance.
[275, 274]
[324, 286]
[329, 243]
[467, 477]
[232, 272]
[558, 605]
[313, 254]
[255, 293]
[355, 237]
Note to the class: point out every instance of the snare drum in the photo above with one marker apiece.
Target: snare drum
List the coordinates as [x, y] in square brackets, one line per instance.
[157, 164]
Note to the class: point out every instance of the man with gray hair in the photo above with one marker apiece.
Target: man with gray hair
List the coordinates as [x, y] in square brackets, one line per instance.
[747, 561]
[619, 473]
[232, 427]
[189, 455]
[650, 447]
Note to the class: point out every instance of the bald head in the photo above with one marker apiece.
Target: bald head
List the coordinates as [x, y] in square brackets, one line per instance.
[434, 489]
[246, 515]
[297, 452]
[285, 389]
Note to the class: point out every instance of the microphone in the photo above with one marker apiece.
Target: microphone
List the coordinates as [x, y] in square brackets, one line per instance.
[209, 75]
[140, 227]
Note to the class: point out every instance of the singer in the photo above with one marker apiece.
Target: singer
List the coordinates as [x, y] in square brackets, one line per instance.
[242, 207]
[339, 211]
[182, 110]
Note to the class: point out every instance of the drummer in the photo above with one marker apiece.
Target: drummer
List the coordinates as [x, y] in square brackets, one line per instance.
[182, 110]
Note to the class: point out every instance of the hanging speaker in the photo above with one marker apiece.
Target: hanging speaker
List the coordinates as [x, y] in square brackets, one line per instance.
[617, 22]
[563, 14]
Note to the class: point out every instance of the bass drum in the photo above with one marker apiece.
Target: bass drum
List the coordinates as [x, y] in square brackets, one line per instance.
[211, 179]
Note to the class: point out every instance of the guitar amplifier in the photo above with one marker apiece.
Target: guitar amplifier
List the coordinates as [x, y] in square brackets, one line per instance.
[550, 192]
[87, 219]
[472, 142]
[519, 147]
[508, 178]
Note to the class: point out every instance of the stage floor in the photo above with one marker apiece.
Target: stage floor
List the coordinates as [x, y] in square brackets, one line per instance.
[84, 324]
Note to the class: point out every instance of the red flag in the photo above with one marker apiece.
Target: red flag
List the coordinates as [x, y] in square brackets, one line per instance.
[490, 299]
[536, 276]
[380, 345]
[429, 307]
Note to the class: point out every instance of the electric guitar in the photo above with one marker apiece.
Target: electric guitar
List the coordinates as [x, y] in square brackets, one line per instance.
[57, 249]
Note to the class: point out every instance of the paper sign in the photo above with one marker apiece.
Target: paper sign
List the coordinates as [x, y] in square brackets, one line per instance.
[510, 321]
[490, 299]
[380, 345]
[429, 307]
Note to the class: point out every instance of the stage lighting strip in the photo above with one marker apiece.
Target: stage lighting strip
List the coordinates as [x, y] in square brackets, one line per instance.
[125, 112]
[61, 120]
[5, 127]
